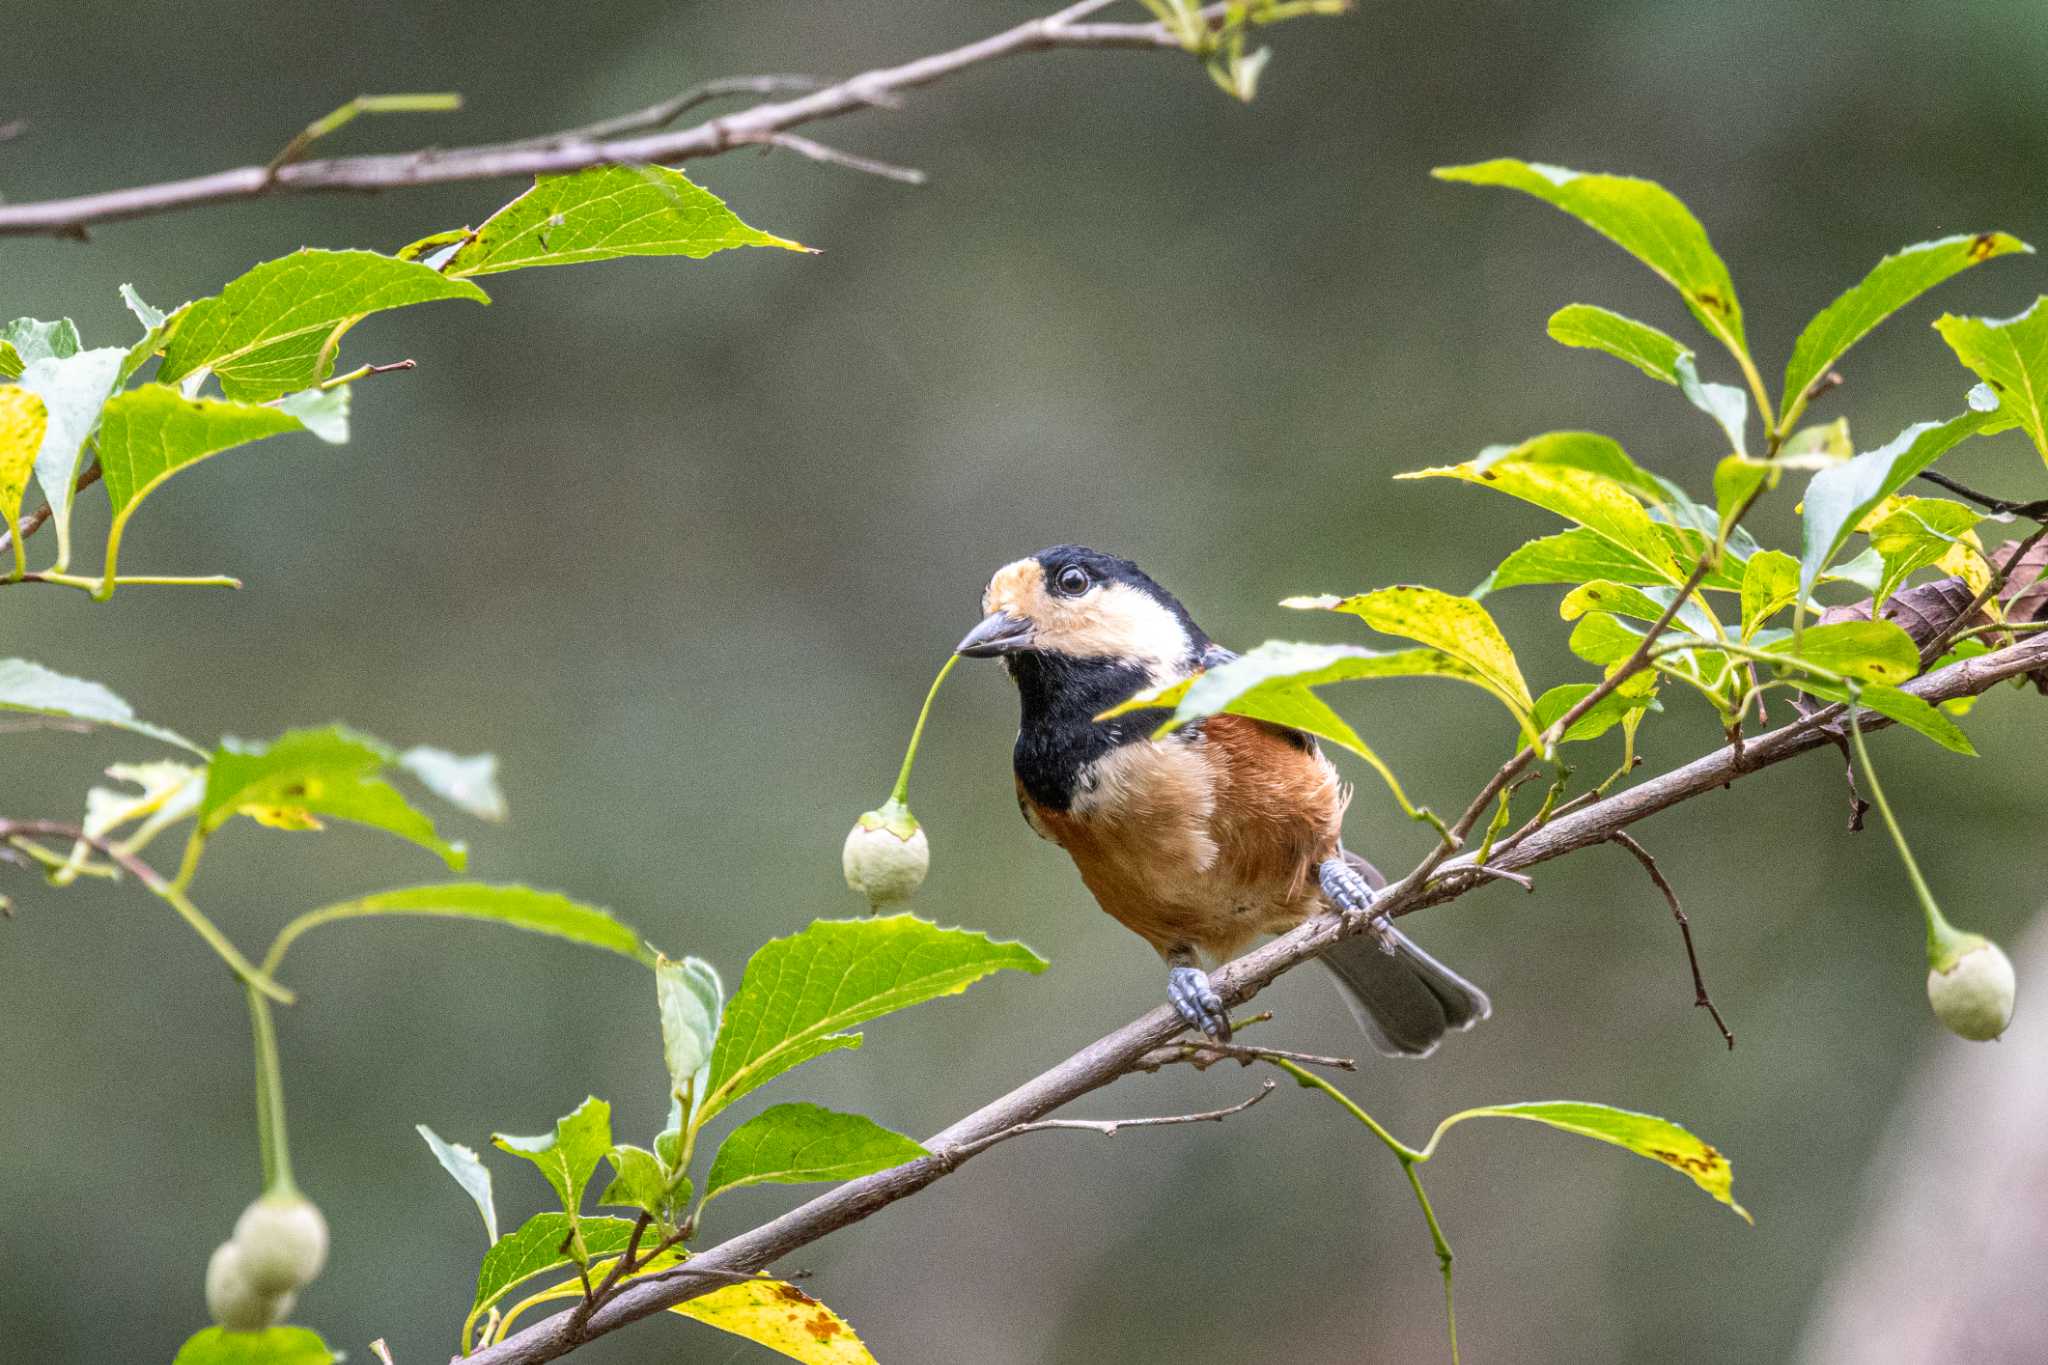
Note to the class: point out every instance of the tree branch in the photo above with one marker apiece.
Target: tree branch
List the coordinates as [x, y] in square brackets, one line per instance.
[1110, 1127]
[1117, 1053]
[1663, 884]
[598, 144]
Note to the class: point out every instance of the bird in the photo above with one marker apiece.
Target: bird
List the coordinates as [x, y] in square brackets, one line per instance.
[1205, 838]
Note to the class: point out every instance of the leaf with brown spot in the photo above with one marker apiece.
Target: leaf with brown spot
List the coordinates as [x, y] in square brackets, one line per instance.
[778, 1315]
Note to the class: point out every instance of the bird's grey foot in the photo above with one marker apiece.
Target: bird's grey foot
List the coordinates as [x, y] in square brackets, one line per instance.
[1197, 1002]
[1353, 896]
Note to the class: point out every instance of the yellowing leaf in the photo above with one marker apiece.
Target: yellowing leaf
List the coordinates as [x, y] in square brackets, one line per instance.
[781, 1317]
[1457, 626]
[1595, 501]
[1644, 1134]
[23, 419]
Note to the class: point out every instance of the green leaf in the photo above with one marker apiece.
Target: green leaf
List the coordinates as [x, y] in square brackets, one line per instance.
[1641, 345]
[469, 784]
[169, 792]
[31, 340]
[74, 388]
[1769, 585]
[1737, 480]
[692, 1002]
[150, 318]
[540, 1244]
[1918, 533]
[568, 1156]
[1817, 447]
[793, 1143]
[324, 412]
[1644, 1134]
[1458, 627]
[1726, 404]
[1275, 683]
[516, 907]
[30, 687]
[1640, 216]
[151, 432]
[1642, 604]
[1600, 638]
[1598, 501]
[469, 1172]
[2011, 355]
[1572, 556]
[639, 1182]
[1903, 707]
[1840, 497]
[276, 328]
[599, 214]
[781, 1317]
[800, 991]
[1894, 282]
[271, 1346]
[1869, 651]
[10, 361]
[1636, 694]
[304, 774]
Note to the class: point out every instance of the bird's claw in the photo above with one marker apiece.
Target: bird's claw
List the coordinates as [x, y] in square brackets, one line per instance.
[1197, 1002]
[1353, 896]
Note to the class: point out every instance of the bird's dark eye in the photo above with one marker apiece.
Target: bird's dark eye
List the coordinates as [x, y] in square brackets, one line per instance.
[1071, 581]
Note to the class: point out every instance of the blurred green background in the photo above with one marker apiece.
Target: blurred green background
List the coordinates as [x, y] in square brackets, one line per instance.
[683, 542]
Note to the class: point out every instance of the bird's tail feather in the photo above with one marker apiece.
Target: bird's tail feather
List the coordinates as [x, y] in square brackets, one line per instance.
[1406, 1001]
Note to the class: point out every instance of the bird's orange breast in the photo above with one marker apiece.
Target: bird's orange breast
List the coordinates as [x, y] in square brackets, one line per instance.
[1204, 840]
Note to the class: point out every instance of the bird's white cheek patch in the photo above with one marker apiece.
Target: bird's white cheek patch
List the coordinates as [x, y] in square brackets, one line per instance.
[1118, 622]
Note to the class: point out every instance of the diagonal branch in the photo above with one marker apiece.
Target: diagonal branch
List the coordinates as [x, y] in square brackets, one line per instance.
[1112, 1056]
[1663, 884]
[599, 144]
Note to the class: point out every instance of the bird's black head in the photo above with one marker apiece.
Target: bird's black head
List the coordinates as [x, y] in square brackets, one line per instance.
[1086, 608]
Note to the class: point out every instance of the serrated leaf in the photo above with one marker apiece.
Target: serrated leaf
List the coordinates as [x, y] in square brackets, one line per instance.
[277, 328]
[1770, 584]
[800, 991]
[1892, 283]
[1638, 343]
[30, 687]
[475, 1178]
[469, 784]
[2011, 355]
[795, 1143]
[1840, 496]
[692, 1001]
[1640, 216]
[602, 213]
[539, 1245]
[74, 388]
[271, 1346]
[324, 412]
[1598, 502]
[515, 907]
[1869, 651]
[31, 340]
[303, 774]
[23, 420]
[1646, 1135]
[1903, 707]
[639, 1182]
[1456, 626]
[1636, 694]
[568, 1156]
[781, 1317]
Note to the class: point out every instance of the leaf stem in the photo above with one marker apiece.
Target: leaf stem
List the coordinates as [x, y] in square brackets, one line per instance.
[1443, 1252]
[270, 1130]
[1943, 941]
[901, 793]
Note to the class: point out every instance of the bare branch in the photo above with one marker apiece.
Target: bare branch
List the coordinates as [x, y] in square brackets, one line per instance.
[575, 150]
[818, 151]
[1110, 1127]
[1114, 1055]
[1206, 1052]
[1699, 985]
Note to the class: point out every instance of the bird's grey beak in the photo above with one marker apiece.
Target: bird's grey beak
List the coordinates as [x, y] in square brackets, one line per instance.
[999, 633]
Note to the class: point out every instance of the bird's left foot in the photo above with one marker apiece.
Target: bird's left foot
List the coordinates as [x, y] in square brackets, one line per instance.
[1353, 896]
[1197, 1002]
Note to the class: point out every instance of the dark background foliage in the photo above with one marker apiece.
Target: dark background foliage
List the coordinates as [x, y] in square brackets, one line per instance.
[683, 542]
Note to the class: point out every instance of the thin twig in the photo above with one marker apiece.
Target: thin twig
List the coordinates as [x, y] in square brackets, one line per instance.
[1110, 1127]
[2034, 511]
[1699, 985]
[1208, 1052]
[1939, 645]
[556, 153]
[669, 110]
[818, 151]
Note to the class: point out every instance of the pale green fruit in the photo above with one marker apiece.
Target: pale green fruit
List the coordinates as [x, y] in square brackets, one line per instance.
[886, 856]
[283, 1242]
[233, 1301]
[1974, 997]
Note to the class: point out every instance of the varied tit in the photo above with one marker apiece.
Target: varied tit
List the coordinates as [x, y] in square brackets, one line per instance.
[1200, 841]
